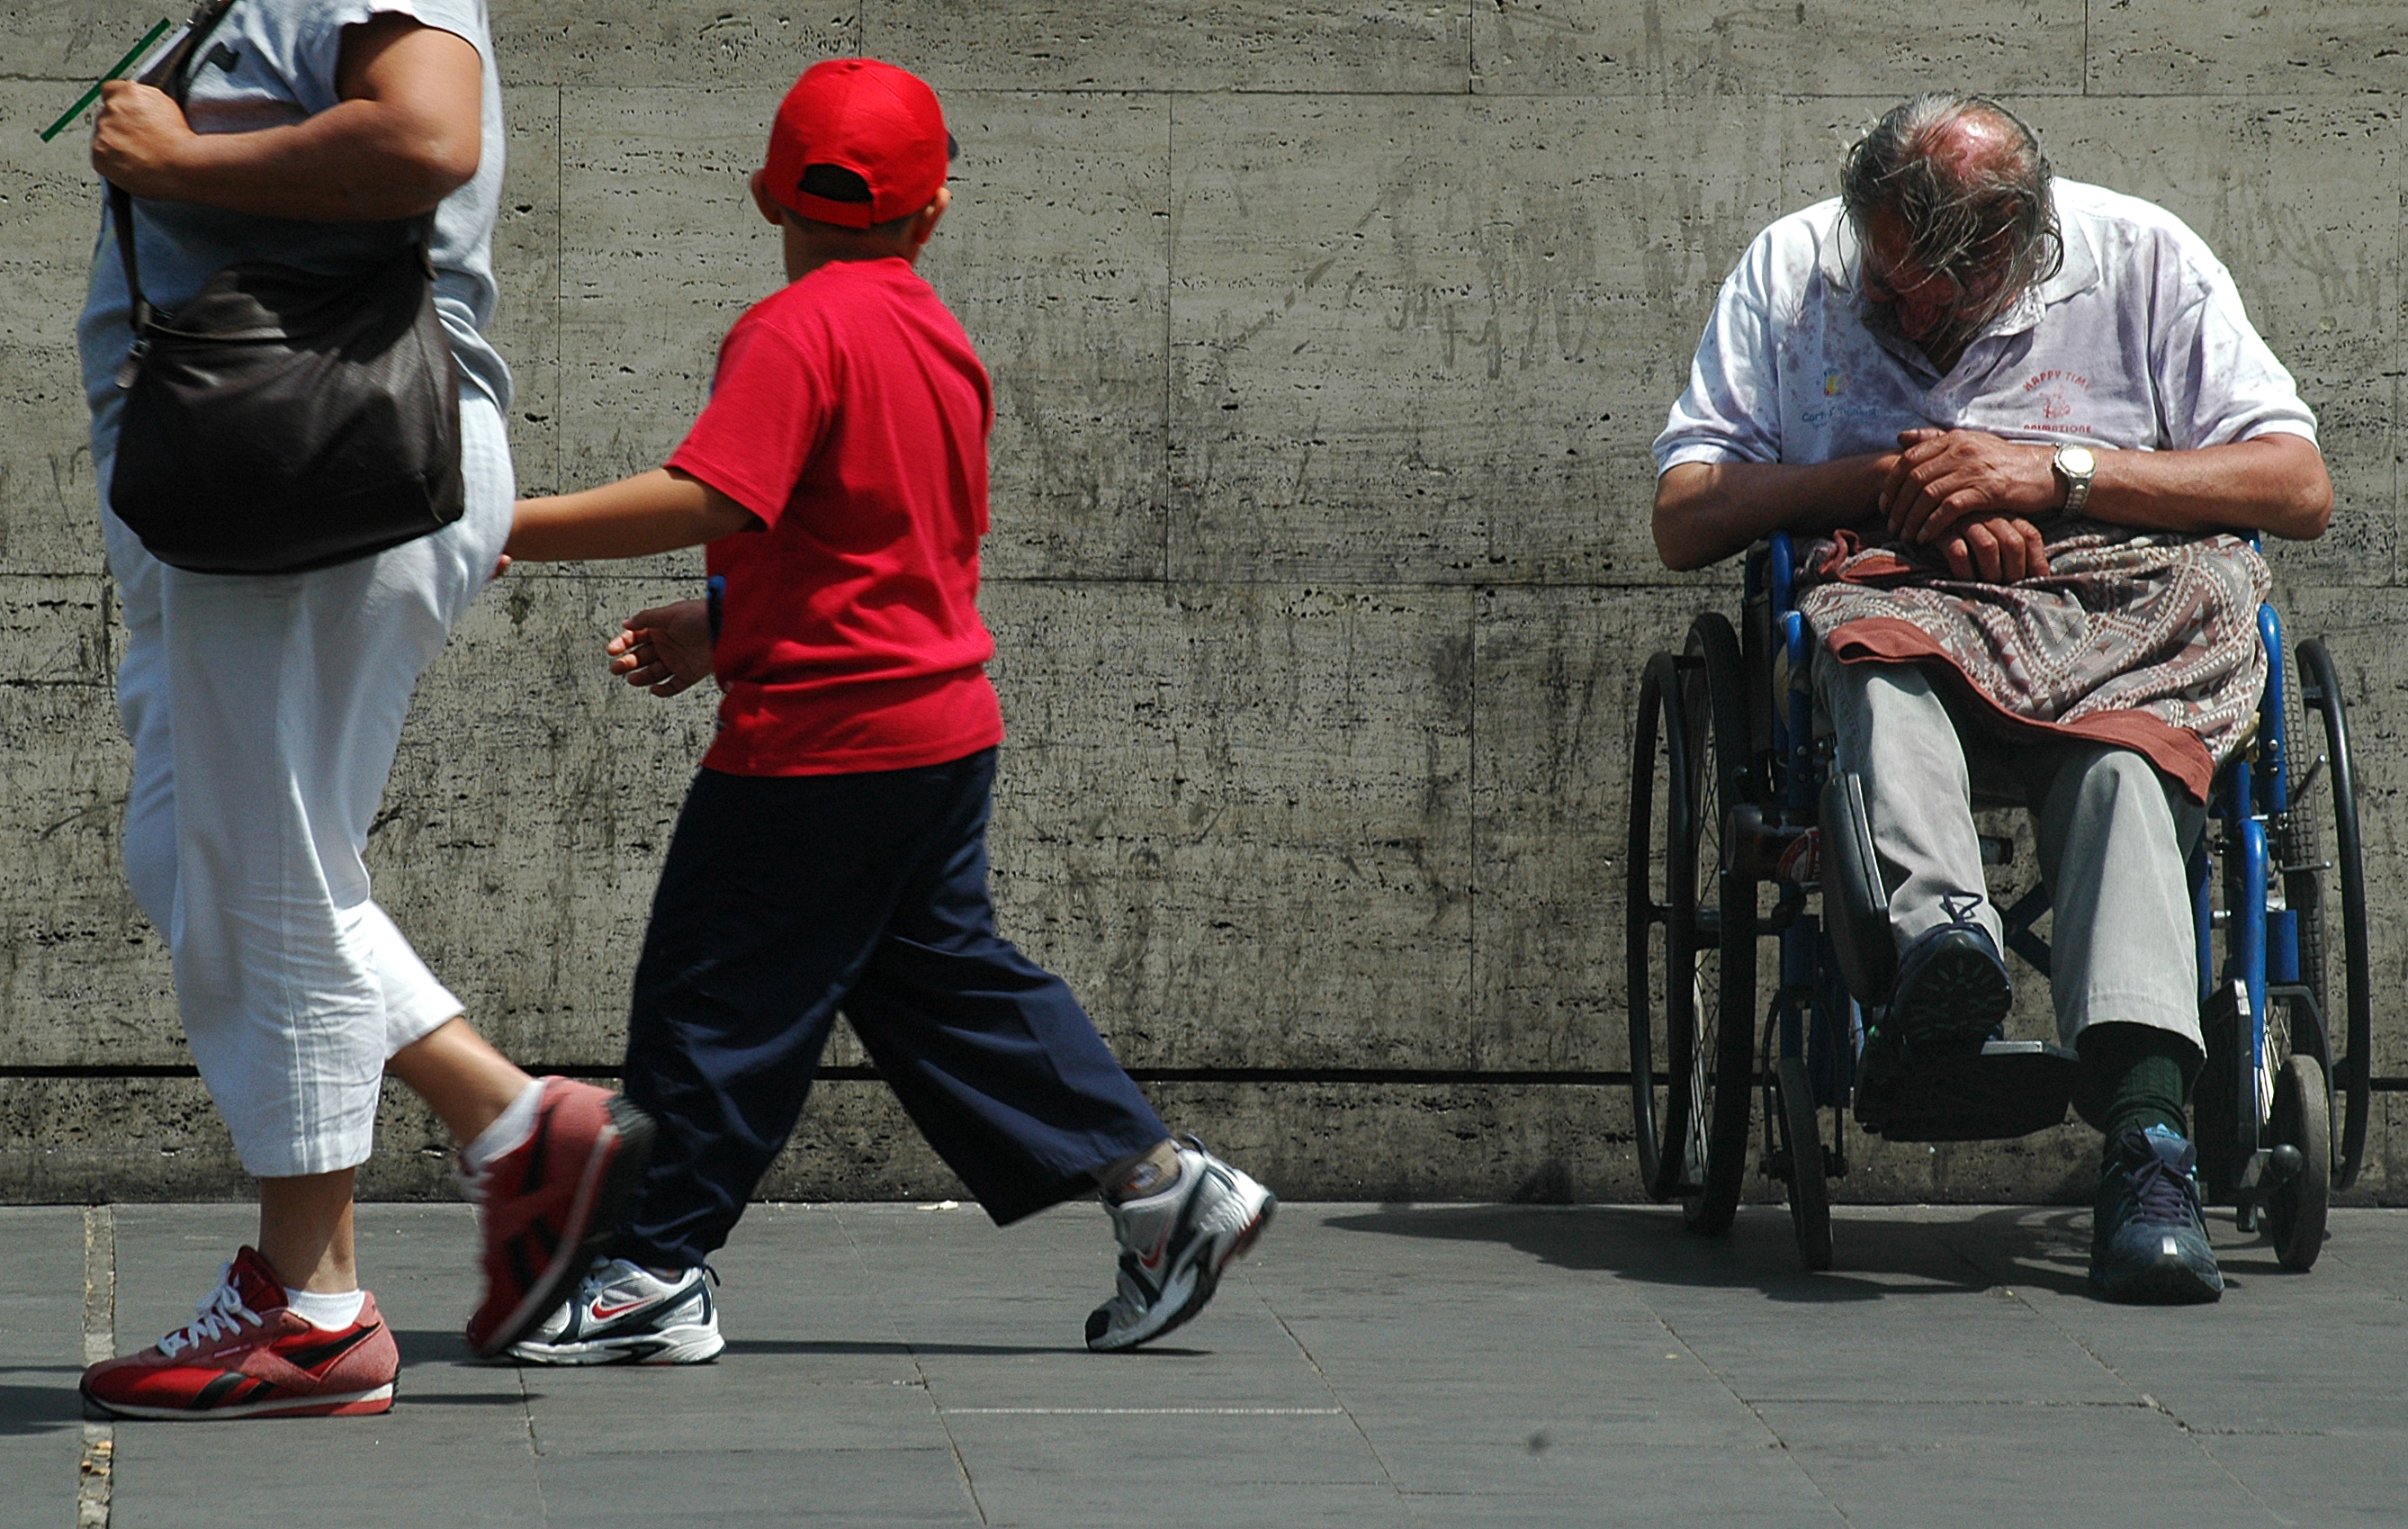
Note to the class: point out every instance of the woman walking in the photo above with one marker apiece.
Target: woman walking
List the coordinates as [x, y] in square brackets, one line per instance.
[265, 709]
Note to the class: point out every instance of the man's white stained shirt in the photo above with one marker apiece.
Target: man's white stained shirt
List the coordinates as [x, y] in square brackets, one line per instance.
[2139, 342]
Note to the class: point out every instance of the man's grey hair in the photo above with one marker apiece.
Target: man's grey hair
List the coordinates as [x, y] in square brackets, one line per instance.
[1964, 215]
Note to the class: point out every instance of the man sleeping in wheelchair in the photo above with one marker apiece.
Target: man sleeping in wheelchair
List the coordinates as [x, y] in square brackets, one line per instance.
[2022, 420]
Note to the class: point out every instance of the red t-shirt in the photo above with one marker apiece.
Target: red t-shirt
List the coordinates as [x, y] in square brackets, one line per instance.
[850, 413]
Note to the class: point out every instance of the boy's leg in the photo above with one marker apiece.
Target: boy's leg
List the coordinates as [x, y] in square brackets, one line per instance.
[996, 1062]
[1005, 1075]
[774, 891]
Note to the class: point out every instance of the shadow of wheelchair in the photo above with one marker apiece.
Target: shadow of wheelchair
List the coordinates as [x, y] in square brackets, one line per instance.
[1887, 1256]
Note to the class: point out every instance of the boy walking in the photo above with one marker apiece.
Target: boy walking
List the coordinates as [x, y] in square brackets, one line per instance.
[832, 851]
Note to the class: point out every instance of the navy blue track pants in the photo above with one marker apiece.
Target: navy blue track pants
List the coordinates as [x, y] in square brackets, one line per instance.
[786, 898]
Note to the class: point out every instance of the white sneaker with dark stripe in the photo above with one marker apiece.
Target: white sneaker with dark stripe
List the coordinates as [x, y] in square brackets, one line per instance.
[625, 1314]
[1174, 1244]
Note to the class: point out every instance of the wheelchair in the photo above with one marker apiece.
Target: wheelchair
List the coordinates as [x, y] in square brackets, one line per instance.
[1742, 834]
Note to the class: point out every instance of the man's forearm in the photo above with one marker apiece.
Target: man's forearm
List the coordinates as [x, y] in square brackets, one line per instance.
[1706, 511]
[2276, 483]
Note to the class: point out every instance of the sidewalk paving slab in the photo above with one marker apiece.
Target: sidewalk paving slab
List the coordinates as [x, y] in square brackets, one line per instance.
[41, 1353]
[896, 1365]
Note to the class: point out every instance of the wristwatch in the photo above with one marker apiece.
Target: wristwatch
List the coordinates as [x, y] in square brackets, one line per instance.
[2073, 466]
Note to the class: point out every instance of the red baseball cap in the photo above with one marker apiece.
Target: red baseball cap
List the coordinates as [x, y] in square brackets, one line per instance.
[881, 123]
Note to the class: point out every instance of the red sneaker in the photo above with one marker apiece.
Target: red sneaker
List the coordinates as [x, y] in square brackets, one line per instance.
[547, 1208]
[246, 1354]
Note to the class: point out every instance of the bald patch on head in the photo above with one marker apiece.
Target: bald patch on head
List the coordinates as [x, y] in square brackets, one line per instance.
[1970, 142]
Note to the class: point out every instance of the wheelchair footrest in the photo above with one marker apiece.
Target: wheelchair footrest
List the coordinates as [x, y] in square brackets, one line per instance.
[2011, 1088]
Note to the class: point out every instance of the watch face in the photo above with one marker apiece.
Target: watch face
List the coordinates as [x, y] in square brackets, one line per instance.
[2076, 460]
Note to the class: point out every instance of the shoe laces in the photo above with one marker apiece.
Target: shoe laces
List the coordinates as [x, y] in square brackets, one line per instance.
[2161, 1194]
[1959, 908]
[221, 1315]
[609, 1273]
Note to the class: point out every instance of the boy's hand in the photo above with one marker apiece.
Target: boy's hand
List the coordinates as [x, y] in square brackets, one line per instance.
[667, 648]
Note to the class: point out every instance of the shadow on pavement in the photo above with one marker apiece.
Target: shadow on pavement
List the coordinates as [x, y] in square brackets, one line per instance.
[431, 1346]
[406, 1392]
[40, 1410]
[839, 1346]
[1875, 1259]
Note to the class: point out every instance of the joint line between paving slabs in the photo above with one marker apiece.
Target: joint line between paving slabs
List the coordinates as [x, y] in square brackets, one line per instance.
[99, 1343]
[961, 1462]
[2142, 1398]
[1753, 1412]
[1341, 1410]
[1144, 1412]
[534, 1445]
[1168, 493]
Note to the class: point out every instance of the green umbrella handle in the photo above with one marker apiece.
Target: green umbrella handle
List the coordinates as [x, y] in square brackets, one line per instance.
[118, 68]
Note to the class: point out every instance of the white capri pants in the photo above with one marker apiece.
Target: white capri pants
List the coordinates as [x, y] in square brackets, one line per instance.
[264, 712]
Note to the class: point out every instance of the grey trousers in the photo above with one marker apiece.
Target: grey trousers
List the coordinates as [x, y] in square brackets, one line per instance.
[2111, 835]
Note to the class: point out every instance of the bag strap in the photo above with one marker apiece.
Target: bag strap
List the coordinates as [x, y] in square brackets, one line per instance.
[173, 68]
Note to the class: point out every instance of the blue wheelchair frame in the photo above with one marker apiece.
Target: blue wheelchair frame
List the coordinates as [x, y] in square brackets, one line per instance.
[1815, 1027]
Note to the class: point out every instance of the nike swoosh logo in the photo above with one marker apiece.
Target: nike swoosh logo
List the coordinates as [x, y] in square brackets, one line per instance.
[604, 1313]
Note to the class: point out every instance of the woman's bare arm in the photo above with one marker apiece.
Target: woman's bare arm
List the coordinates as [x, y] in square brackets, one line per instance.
[407, 134]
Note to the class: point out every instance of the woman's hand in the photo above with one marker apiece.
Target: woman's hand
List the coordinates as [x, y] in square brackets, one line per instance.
[137, 139]
[666, 650]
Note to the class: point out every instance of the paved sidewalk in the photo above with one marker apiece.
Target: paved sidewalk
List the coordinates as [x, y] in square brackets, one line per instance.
[1372, 1366]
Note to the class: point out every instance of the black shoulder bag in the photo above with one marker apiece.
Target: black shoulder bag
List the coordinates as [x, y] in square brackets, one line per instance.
[282, 419]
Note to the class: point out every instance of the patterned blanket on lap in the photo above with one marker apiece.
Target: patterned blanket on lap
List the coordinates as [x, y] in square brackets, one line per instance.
[2148, 641]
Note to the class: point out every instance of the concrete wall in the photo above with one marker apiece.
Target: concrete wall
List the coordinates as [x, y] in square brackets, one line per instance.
[1329, 342]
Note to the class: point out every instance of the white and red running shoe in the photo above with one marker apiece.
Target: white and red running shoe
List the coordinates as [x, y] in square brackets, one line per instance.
[625, 1314]
[247, 1354]
[547, 1208]
[1174, 1244]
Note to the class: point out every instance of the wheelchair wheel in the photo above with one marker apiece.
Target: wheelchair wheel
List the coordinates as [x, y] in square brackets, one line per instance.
[1791, 1108]
[2337, 971]
[2302, 1118]
[1688, 1091]
[1660, 906]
